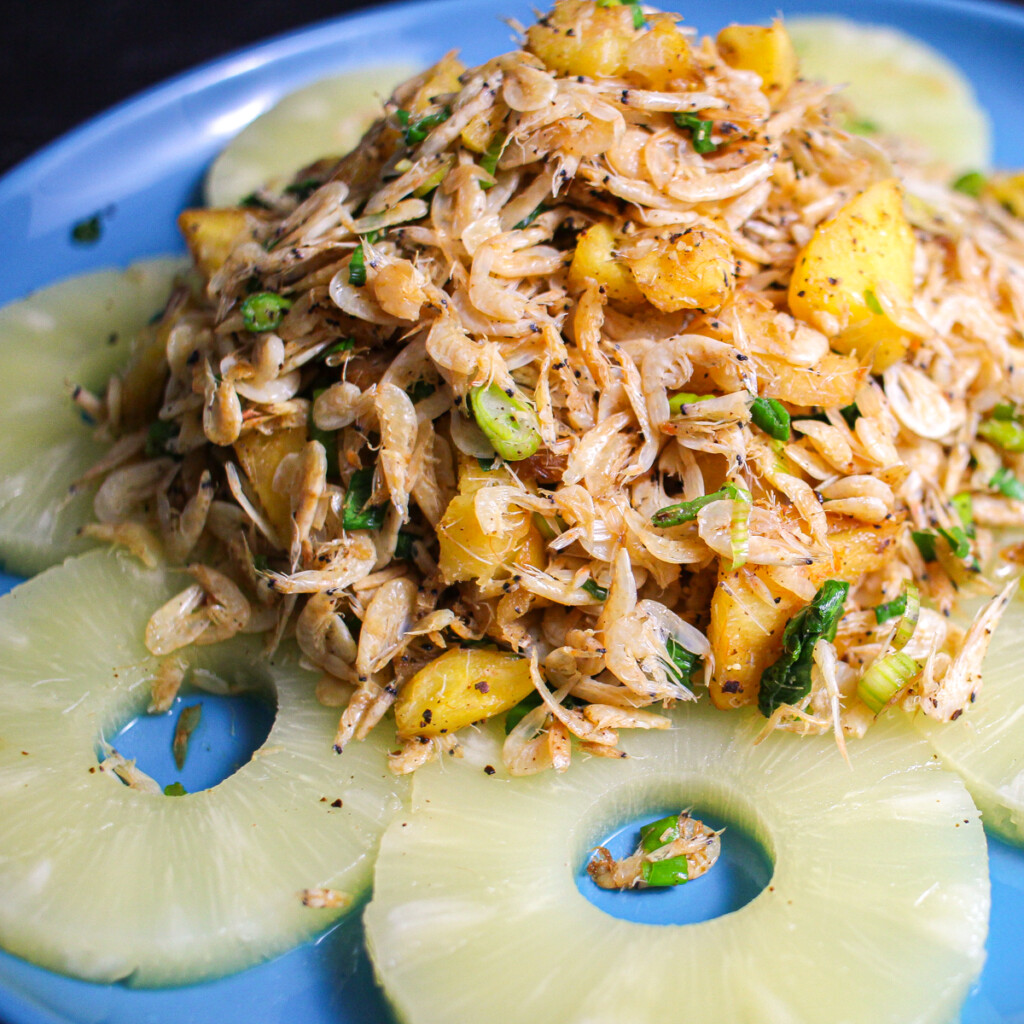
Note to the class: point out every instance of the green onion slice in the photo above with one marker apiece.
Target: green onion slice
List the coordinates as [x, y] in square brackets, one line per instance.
[1008, 434]
[908, 618]
[871, 301]
[416, 131]
[682, 663]
[355, 513]
[489, 161]
[357, 267]
[595, 590]
[700, 131]
[508, 422]
[885, 678]
[677, 401]
[772, 417]
[970, 183]
[264, 311]
[739, 525]
[964, 508]
[1006, 483]
[925, 541]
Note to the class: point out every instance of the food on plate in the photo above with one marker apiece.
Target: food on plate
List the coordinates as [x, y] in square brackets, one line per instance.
[896, 87]
[104, 877]
[477, 910]
[75, 332]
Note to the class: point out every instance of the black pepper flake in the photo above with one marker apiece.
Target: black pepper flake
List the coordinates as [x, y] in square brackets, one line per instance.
[336, 803]
[482, 687]
[489, 769]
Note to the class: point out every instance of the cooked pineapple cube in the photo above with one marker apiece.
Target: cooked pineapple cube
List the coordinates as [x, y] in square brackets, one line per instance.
[579, 38]
[692, 269]
[212, 234]
[868, 244]
[595, 259]
[260, 455]
[460, 687]
[767, 51]
[659, 57]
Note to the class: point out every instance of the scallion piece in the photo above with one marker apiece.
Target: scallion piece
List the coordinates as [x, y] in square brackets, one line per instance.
[1008, 434]
[925, 541]
[850, 413]
[677, 401]
[788, 680]
[1004, 411]
[672, 870]
[404, 546]
[159, 434]
[891, 609]
[908, 618]
[264, 311]
[682, 663]
[772, 417]
[638, 15]
[957, 539]
[685, 511]
[739, 525]
[420, 390]
[516, 714]
[302, 190]
[970, 183]
[700, 131]
[508, 422]
[357, 267]
[355, 513]
[964, 508]
[344, 345]
[489, 161]
[416, 131]
[595, 590]
[885, 678]
[529, 218]
[183, 729]
[1006, 483]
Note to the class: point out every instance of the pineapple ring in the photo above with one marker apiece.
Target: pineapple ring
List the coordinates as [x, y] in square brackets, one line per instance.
[109, 883]
[78, 331]
[476, 914]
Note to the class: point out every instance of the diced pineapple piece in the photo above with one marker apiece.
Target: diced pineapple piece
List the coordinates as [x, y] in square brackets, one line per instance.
[443, 79]
[460, 687]
[260, 455]
[1007, 189]
[144, 378]
[659, 57]
[483, 129]
[594, 258]
[766, 51]
[212, 234]
[690, 269]
[867, 243]
[579, 38]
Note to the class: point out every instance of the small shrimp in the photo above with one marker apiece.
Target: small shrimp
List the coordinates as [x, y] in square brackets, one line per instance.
[166, 683]
[227, 610]
[324, 638]
[139, 541]
[222, 410]
[182, 530]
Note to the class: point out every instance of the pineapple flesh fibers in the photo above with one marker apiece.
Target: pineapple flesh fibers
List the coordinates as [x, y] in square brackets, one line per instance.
[76, 332]
[985, 745]
[877, 910]
[106, 882]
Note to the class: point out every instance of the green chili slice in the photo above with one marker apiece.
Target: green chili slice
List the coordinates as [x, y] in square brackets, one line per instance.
[355, 513]
[672, 870]
[685, 511]
[508, 422]
[1008, 434]
[1006, 483]
[970, 183]
[700, 131]
[416, 131]
[772, 417]
[264, 311]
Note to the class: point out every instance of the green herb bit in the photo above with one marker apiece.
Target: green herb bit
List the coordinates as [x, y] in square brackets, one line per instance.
[685, 511]
[530, 218]
[487, 465]
[595, 590]
[1007, 434]
[355, 513]
[700, 131]
[638, 15]
[253, 202]
[175, 789]
[871, 301]
[964, 508]
[957, 539]
[861, 126]
[516, 714]
[850, 413]
[416, 131]
[788, 680]
[925, 541]
[1006, 483]
[87, 231]
[1004, 411]
[344, 345]
[971, 183]
[404, 546]
[772, 417]
[489, 161]
[264, 311]
[677, 401]
[420, 390]
[183, 729]
[885, 678]
[891, 609]
[683, 663]
[357, 267]
[157, 437]
[302, 190]
[508, 422]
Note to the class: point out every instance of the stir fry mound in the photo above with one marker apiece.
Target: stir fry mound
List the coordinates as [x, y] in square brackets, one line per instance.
[604, 372]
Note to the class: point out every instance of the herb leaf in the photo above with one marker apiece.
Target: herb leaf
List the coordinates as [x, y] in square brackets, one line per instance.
[683, 662]
[416, 131]
[970, 183]
[891, 609]
[355, 514]
[1006, 483]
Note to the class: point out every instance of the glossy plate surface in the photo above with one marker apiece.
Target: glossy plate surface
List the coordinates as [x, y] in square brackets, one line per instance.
[142, 162]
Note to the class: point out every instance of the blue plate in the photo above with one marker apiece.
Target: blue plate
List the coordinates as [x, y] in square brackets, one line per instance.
[142, 162]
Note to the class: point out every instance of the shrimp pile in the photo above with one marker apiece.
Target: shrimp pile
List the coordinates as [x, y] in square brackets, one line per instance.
[561, 363]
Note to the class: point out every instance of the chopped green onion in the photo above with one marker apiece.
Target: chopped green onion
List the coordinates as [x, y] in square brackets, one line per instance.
[87, 231]
[682, 663]
[595, 590]
[416, 131]
[891, 609]
[1008, 434]
[850, 413]
[435, 179]
[344, 345]
[871, 301]
[530, 218]
[685, 511]
[1004, 411]
[183, 729]
[885, 678]
[264, 311]
[957, 539]
[175, 789]
[357, 267]
[964, 508]
[489, 161]
[355, 513]
[487, 465]
[404, 546]
[677, 401]
[861, 126]
[970, 183]
[739, 525]
[925, 541]
[772, 417]
[908, 619]
[700, 131]
[302, 190]
[1006, 483]
[159, 433]
[544, 528]
[253, 202]
[788, 680]
[420, 390]
[508, 422]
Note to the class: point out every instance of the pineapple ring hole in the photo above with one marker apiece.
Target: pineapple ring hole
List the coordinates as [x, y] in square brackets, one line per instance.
[236, 718]
[743, 870]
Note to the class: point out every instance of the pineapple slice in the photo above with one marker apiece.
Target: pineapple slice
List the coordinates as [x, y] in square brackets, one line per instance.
[327, 117]
[476, 914]
[985, 745]
[109, 883]
[76, 332]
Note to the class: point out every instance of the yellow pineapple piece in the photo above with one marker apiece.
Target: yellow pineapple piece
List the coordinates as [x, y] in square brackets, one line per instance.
[766, 51]
[692, 269]
[595, 259]
[212, 234]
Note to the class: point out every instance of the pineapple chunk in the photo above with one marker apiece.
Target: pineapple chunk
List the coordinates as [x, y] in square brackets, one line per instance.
[691, 269]
[766, 51]
[594, 259]
[260, 455]
[867, 243]
[1007, 189]
[443, 78]
[212, 234]
[659, 57]
[467, 553]
[461, 687]
[579, 38]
